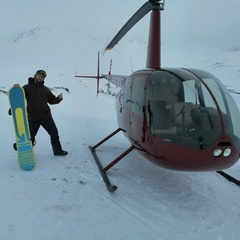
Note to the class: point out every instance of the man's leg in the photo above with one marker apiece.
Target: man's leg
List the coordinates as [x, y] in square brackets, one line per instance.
[33, 128]
[50, 126]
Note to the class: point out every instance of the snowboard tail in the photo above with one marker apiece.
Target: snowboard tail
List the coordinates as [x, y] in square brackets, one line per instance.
[25, 151]
[26, 156]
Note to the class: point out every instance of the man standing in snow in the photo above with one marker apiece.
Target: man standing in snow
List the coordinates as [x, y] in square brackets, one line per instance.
[38, 97]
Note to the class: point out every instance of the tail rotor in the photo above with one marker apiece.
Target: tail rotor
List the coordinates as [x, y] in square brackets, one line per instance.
[98, 77]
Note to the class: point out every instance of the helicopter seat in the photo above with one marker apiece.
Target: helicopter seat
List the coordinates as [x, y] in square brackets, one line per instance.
[207, 124]
[159, 118]
[179, 118]
[182, 113]
[171, 118]
[159, 114]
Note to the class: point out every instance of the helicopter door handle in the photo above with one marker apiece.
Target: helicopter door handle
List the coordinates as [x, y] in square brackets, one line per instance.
[130, 117]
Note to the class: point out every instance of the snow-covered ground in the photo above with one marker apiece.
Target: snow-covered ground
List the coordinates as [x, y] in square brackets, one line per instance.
[65, 197]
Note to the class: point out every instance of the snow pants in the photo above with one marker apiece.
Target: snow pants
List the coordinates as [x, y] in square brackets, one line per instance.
[50, 126]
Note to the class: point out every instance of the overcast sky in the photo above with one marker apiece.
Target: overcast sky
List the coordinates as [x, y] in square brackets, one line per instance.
[182, 20]
[217, 21]
[214, 20]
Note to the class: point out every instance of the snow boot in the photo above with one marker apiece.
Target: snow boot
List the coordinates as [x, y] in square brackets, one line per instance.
[57, 149]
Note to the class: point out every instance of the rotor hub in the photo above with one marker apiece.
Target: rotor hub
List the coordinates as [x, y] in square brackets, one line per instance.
[157, 4]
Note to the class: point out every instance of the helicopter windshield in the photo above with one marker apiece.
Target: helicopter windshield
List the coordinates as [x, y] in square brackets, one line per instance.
[185, 110]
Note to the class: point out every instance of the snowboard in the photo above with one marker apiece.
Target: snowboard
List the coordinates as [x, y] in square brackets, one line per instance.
[25, 151]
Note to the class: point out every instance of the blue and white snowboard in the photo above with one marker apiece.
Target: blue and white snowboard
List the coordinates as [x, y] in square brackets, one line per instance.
[25, 152]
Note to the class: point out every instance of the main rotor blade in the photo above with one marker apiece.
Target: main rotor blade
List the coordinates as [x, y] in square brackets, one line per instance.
[142, 11]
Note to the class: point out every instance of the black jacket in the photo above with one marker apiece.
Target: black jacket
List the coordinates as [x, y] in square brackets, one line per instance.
[38, 96]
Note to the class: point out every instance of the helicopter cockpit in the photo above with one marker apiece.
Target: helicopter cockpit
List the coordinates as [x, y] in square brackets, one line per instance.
[190, 108]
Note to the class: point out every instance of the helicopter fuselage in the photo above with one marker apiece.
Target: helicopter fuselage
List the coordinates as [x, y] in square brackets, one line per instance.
[180, 119]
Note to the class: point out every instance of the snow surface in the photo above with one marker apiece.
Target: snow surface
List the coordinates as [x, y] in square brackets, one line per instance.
[65, 197]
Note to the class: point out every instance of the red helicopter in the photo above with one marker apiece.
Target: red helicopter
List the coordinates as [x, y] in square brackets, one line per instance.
[177, 118]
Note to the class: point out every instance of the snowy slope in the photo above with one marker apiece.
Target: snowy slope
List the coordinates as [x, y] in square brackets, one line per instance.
[65, 197]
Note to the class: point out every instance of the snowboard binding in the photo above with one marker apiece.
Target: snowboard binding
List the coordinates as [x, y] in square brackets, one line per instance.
[15, 145]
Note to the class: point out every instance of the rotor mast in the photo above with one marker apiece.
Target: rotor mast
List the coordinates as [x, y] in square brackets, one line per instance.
[154, 38]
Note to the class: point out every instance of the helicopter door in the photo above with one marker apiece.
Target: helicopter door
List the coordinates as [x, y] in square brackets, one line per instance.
[137, 107]
[127, 107]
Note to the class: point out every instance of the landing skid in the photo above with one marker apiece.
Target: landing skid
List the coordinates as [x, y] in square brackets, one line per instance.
[103, 170]
[229, 177]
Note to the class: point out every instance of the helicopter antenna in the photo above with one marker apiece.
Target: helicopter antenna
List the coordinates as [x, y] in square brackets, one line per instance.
[110, 68]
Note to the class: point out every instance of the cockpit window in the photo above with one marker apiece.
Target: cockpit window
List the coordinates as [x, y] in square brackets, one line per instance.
[183, 111]
[226, 103]
[165, 86]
